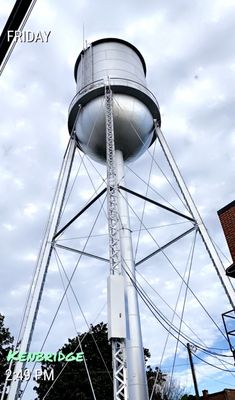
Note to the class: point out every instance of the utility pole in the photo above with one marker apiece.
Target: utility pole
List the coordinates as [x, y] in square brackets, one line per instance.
[193, 371]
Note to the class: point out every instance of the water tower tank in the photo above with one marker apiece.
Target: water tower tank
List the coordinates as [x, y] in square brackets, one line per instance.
[116, 63]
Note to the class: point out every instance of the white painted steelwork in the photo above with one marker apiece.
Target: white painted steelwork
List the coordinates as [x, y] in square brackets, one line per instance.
[137, 384]
[109, 57]
[133, 124]
[116, 331]
[225, 281]
[40, 273]
[116, 306]
[121, 65]
[116, 119]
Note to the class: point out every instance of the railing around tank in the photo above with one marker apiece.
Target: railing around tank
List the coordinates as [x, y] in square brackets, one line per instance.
[113, 82]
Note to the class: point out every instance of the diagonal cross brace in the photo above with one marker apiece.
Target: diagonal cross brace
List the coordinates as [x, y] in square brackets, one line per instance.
[166, 245]
[79, 214]
[156, 203]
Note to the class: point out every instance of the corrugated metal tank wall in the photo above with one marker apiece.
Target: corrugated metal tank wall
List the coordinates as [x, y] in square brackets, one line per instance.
[118, 64]
[109, 59]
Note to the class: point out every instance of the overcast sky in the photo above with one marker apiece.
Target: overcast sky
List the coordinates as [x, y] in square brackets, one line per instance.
[189, 52]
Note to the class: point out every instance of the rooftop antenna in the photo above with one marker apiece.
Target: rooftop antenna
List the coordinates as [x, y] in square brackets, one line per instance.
[83, 36]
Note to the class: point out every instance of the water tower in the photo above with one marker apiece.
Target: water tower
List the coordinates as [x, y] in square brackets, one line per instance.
[112, 96]
[113, 118]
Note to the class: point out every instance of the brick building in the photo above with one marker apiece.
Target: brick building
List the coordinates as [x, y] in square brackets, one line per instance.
[226, 394]
[227, 219]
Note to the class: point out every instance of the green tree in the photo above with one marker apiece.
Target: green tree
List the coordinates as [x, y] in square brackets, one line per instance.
[158, 385]
[6, 341]
[188, 397]
[73, 382]
[165, 388]
[173, 390]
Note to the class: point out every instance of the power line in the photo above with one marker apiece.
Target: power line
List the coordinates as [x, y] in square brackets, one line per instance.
[185, 337]
[168, 333]
[178, 273]
[153, 309]
[16, 21]
[165, 302]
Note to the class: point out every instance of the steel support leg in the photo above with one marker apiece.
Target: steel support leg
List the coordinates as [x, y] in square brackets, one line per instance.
[227, 285]
[43, 261]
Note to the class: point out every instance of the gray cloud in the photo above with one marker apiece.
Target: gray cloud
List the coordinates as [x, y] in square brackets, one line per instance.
[189, 53]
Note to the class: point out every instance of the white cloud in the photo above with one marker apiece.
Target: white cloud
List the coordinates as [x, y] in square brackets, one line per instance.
[9, 227]
[189, 52]
[30, 210]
